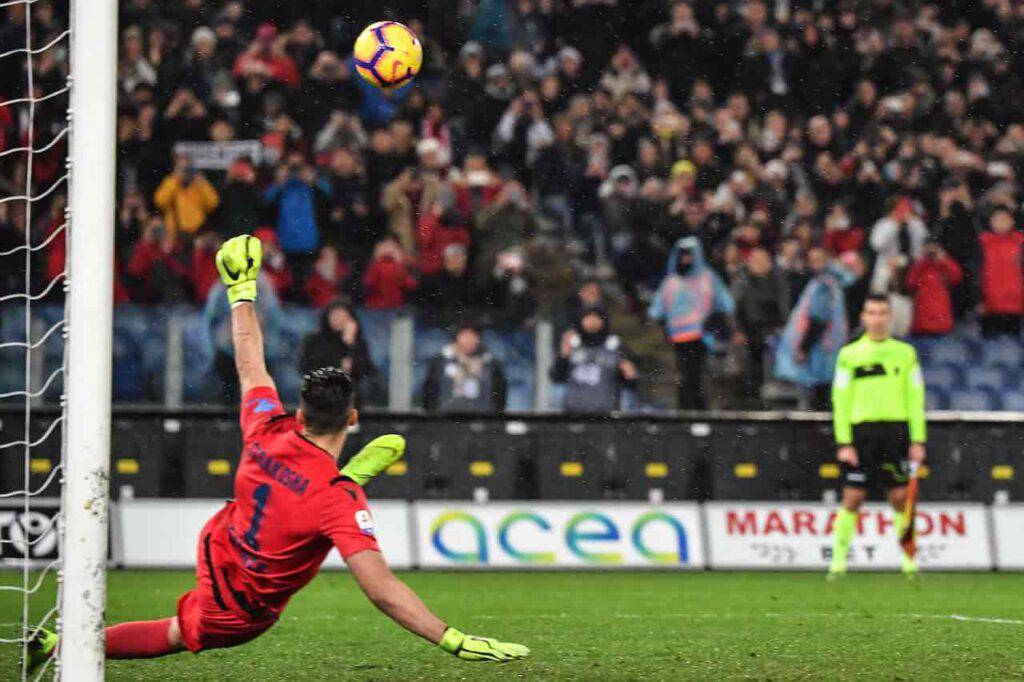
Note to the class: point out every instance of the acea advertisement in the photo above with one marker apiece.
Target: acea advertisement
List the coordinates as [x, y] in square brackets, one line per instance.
[564, 535]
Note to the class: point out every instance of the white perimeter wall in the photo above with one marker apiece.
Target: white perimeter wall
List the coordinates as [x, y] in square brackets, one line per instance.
[155, 533]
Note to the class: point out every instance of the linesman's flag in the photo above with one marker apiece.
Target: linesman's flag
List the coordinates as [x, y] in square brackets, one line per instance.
[908, 541]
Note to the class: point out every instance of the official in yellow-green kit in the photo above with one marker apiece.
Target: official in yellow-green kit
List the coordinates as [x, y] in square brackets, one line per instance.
[878, 398]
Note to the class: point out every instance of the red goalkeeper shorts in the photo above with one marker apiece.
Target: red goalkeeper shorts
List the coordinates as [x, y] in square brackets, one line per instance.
[212, 615]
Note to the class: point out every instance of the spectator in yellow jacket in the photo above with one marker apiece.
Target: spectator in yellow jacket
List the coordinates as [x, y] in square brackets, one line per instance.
[186, 198]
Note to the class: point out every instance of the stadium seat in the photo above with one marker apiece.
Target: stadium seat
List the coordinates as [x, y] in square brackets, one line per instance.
[936, 399]
[128, 375]
[12, 371]
[376, 326]
[950, 351]
[945, 377]
[924, 345]
[48, 315]
[295, 323]
[1013, 400]
[968, 333]
[976, 401]
[140, 343]
[1012, 374]
[198, 353]
[428, 341]
[12, 360]
[989, 378]
[515, 349]
[1005, 353]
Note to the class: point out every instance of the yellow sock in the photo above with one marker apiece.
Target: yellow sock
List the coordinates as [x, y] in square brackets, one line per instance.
[842, 536]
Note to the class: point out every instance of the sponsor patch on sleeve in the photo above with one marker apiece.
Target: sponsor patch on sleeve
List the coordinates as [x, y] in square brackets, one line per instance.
[365, 522]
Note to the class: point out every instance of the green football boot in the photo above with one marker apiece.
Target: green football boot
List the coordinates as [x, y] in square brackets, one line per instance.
[375, 458]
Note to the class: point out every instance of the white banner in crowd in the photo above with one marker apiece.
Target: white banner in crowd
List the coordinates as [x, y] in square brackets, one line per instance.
[747, 535]
[219, 155]
[1008, 533]
[558, 534]
[164, 533]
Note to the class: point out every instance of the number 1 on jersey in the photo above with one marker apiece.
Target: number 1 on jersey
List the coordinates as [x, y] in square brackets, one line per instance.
[260, 497]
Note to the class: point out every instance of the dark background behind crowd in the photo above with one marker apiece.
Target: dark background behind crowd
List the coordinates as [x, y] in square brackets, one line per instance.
[732, 177]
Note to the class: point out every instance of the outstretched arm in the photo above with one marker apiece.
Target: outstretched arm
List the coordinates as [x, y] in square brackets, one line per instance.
[401, 604]
[393, 597]
[238, 262]
[248, 341]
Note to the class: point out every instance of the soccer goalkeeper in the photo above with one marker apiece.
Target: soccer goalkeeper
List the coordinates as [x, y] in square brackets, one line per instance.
[878, 398]
[291, 506]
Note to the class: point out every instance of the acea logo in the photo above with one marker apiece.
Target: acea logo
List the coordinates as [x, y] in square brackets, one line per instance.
[531, 538]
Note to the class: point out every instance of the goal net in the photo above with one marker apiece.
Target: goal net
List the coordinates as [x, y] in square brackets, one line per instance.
[57, 143]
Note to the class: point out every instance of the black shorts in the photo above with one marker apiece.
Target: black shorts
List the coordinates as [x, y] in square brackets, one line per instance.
[882, 456]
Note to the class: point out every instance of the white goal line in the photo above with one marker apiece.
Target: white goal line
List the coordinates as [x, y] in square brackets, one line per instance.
[778, 616]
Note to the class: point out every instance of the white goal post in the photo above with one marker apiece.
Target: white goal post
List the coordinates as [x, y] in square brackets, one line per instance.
[88, 356]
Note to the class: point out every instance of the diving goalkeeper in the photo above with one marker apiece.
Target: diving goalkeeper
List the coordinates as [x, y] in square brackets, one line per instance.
[878, 399]
[292, 505]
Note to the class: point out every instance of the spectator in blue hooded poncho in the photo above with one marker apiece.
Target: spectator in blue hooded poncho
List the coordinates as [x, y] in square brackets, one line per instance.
[295, 193]
[815, 331]
[688, 296]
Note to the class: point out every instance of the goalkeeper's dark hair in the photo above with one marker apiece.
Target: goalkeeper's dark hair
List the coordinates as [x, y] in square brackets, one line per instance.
[876, 297]
[326, 400]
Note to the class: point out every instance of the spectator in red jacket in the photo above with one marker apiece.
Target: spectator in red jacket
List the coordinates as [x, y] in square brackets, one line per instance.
[930, 279]
[438, 228]
[266, 57]
[56, 245]
[1002, 277]
[274, 263]
[841, 235]
[478, 186]
[8, 128]
[158, 266]
[388, 278]
[330, 278]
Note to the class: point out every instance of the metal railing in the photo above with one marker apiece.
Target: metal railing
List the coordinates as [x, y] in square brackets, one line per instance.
[166, 352]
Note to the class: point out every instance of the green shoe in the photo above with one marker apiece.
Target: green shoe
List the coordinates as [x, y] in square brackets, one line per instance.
[835, 576]
[40, 649]
[375, 457]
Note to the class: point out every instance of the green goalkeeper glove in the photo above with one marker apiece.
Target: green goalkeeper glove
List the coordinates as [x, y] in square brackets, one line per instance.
[471, 648]
[238, 262]
[375, 457]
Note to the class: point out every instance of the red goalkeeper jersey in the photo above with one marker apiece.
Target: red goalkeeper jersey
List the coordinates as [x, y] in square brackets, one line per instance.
[291, 506]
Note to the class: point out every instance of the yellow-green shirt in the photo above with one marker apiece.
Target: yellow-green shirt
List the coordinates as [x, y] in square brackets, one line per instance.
[878, 381]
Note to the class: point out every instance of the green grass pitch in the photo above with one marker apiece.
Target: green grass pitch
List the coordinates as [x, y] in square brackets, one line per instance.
[609, 626]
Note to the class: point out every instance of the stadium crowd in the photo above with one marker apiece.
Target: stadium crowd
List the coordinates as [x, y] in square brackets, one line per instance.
[750, 169]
